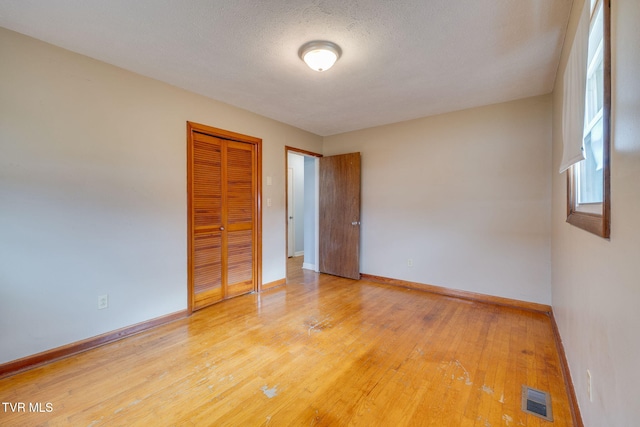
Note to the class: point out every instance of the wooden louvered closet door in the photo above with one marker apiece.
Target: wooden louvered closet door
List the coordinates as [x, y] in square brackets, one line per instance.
[207, 220]
[239, 218]
[223, 203]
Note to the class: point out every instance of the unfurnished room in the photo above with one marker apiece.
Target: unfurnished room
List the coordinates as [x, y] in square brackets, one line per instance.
[320, 212]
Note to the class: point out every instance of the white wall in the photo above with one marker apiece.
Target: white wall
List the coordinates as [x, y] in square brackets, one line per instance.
[596, 282]
[466, 195]
[93, 194]
[296, 162]
[310, 195]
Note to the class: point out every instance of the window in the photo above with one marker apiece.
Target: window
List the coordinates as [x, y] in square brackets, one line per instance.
[588, 195]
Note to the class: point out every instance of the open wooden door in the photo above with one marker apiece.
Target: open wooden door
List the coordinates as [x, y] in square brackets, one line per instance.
[339, 188]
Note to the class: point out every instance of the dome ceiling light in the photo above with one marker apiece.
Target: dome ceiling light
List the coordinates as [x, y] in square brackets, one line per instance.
[320, 55]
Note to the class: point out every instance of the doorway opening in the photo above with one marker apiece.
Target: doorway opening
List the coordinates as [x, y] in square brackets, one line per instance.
[302, 218]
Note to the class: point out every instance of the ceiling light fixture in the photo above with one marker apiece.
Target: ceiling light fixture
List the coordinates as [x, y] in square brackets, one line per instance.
[320, 55]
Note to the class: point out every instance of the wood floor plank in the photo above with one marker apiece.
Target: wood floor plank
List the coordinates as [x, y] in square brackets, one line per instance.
[321, 351]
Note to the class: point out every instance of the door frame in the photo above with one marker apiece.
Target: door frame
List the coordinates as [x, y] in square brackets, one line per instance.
[301, 152]
[257, 202]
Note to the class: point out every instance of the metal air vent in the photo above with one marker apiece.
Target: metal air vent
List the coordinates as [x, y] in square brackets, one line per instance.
[536, 402]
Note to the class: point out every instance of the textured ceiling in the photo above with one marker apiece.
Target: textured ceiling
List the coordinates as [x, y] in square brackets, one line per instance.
[401, 59]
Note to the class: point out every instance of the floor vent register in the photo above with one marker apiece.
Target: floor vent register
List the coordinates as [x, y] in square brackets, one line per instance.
[537, 403]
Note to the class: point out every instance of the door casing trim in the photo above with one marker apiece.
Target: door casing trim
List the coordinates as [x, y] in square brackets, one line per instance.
[302, 152]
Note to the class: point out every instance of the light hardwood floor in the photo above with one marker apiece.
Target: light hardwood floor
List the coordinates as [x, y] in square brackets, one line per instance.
[320, 350]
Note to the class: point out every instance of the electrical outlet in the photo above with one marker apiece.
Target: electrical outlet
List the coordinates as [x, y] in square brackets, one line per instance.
[410, 262]
[103, 301]
[589, 384]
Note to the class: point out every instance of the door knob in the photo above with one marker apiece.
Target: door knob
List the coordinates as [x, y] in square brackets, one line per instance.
[355, 223]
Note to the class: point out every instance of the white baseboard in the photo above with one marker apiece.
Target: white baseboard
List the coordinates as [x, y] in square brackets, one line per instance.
[299, 253]
[308, 266]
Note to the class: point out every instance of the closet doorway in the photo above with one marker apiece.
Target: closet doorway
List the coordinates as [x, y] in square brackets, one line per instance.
[224, 217]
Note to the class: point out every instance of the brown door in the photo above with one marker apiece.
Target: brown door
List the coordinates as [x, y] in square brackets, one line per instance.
[340, 215]
[223, 211]
[238, 217]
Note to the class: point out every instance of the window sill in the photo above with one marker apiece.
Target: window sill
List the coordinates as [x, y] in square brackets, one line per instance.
[593, 223]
